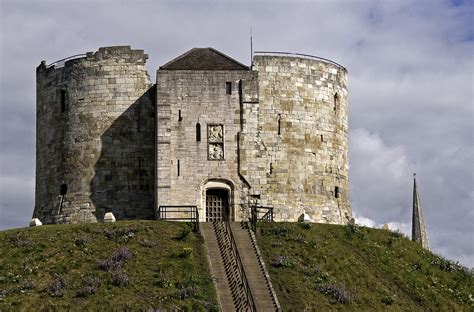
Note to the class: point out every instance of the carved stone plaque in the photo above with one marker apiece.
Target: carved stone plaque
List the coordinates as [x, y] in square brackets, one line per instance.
[216, 133]
[216, 151]
[215, 138]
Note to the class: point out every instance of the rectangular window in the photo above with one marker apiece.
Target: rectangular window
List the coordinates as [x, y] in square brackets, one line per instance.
[215, 142]
[228, 87]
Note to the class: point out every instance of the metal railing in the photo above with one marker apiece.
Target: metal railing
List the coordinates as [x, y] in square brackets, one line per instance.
[179, 213]
[260, 214]
[61, 62]
[300, 55]
[240, 267]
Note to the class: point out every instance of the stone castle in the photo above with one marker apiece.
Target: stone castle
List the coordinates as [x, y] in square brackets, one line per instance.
[211, 132]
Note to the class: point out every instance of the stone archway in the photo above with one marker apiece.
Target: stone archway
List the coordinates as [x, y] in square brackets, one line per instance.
[217, 201]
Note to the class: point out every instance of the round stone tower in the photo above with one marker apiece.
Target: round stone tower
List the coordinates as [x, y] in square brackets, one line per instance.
[303, 133]
[95, 137]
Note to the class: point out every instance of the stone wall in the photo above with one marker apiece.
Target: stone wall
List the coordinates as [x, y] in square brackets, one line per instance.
[184, 99]
[295, 142]
[95, 138]
[108, 141]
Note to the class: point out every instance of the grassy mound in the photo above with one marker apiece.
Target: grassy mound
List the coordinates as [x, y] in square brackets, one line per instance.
[329, 267]
[139, 265]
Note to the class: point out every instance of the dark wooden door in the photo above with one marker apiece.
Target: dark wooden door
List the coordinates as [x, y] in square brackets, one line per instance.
[217, 205]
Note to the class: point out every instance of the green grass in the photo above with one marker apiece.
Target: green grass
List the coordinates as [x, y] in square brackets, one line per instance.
[328, 267]
[151, 265]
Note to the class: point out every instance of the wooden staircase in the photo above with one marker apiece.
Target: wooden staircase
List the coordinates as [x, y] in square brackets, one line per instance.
[241, 282]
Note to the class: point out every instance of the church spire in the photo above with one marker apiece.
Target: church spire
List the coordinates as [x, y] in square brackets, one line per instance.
[418, 224]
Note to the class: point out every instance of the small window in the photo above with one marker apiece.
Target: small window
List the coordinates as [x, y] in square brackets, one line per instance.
[180, 118]
[336, 102]
[279, 124]
[228, 87]
[63, 189]
[336, 192]
[63, 101]
[178, 168]
[198, 132]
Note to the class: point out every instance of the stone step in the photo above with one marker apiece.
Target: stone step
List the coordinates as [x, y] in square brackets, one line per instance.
[252, 267]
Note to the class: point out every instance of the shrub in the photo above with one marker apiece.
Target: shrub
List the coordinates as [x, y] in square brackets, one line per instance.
[108, 265]
[4, 292]
[338, 293]
[88, 287]
[56, 287]
[123, 254]
[120, 278]
[27, 284]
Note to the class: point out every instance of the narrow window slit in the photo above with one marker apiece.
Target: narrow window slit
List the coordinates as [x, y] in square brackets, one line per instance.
[180, 118]
[198, 132]
[279, 124]
[63, 189]
[63, 101]
[336, 192]
[228, 87]
[336, 102]
[178, 168]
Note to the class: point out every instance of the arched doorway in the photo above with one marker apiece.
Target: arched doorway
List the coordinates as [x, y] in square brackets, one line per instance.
[217, 205]
[217, 200]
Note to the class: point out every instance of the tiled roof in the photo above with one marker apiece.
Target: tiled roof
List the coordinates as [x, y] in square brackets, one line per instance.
[203, 59]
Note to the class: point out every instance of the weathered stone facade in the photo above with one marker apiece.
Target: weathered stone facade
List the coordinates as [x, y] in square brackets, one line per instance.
[95, 138]
[275, 135]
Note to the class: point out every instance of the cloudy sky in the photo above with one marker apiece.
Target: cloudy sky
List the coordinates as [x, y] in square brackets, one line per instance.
[410, 73]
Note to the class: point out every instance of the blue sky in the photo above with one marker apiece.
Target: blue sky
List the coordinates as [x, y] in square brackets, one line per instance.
[410, 88]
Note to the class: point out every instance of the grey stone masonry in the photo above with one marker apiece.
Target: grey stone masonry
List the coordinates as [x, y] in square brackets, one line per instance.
[211, 133]
[95, 138]
[295, 143]
[191, 101]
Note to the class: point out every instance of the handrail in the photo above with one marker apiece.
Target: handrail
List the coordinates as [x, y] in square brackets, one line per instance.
[66, 59]
[254, 215]
[302, 55]
[240, 267]
[164, 211]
